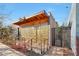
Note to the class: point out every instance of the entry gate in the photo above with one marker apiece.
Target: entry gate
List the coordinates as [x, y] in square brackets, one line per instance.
[66, 36]
[61, 38]
[56, 37]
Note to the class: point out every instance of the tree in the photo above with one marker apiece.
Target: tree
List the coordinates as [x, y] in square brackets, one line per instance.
[2, 17]
[6, 32]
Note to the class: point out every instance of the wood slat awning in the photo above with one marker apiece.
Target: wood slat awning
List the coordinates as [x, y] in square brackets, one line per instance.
[33, 20]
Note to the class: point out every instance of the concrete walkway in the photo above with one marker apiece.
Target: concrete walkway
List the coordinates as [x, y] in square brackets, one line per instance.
[7, 51]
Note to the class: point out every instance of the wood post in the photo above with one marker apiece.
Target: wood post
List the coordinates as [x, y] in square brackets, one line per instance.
[36, 34]
[31, 44]
[41, 46]
[18, 34]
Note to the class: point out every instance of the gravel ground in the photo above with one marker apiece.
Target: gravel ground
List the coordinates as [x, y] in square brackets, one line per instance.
[54, 51]
[59, 51]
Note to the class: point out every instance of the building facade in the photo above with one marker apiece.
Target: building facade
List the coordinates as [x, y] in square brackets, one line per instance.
[37, 29]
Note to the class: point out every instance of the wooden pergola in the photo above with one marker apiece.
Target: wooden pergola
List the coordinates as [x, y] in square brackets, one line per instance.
[33, 20]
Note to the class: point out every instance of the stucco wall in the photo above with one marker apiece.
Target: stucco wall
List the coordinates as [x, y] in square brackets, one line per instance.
[73, 27]
[77, 28]
[52, 25]
[77, 19]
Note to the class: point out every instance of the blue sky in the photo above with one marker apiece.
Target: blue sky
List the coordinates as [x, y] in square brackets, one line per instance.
[17, 10]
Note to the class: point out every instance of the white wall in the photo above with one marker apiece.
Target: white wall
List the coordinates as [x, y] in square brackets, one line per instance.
[77, 19]
[73, 27]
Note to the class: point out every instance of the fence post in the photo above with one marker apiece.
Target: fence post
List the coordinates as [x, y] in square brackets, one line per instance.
[47, 45]
[41, 46]
[31, 44]
[36, 34]
[61, 37]
[18, 34]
